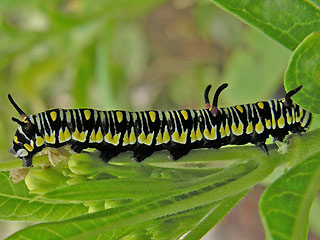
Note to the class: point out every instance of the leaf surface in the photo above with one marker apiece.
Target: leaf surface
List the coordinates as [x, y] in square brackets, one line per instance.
[16, 204]
[304, 69]
[288, 22]
[285, 205]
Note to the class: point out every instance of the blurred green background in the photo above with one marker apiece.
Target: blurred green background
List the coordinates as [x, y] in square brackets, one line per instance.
[133, 55]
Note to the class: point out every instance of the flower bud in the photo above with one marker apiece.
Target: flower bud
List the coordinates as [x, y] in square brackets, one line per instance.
[85, 164]
[40, 180]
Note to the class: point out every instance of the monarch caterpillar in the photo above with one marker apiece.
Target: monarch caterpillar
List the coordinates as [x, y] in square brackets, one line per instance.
[144, 132]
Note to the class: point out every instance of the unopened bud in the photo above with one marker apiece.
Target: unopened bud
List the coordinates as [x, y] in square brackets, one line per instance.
[40, 180]
[85, 164]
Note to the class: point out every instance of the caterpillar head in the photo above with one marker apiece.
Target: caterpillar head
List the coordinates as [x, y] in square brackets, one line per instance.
[23, 145]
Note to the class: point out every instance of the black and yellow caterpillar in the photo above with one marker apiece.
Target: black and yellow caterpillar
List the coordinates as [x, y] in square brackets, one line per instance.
[145, 132]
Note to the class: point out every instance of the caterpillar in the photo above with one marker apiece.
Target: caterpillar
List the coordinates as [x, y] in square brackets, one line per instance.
[144, 132]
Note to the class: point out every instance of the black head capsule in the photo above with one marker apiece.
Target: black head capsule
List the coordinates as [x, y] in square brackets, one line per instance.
[22, 146]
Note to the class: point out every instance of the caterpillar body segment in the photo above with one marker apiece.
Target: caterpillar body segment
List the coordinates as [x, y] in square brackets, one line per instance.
[144, 132]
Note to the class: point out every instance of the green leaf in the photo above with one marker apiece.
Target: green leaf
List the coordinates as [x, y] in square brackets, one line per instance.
[128, 188]
[215, 187]
[214, 216]
[239, 178]
[166, 228]
[285, 205]
[288, 22]
[114, 188]
[304, 69]
[16, 204]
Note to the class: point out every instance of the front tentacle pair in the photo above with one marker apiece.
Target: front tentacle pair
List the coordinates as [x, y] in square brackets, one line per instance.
[214, 106]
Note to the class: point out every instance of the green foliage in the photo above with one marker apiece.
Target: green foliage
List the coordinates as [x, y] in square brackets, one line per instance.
[303, 69]
[104, 51]
[156, 197]
[17, 204]
[288, 22]
[286, 203]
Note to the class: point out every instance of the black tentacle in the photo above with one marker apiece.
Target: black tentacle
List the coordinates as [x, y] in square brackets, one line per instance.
[214, 107]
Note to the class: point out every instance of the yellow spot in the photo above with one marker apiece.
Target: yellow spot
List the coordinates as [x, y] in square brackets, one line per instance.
[206, 134]
[87, 114]
[260, 105]
[293, 116]
[64, 136]
[289, 119]
[81, 137]
[239, 108]
[249, 128]
[67, 135]
[143, 139]
[92, 138]
[39, 141]
[268, 123]
[281, 122]
[227, 130]
[274, 125]
[159, 139]
[125, 139]
[119, 116]
[259, 127]
[166, 137]
[283, 100]
[152, 116]
[184, 114]
[53, 115]
[50, 139]
[198, 134]
[222, 132]
[237, 130]
[179, 138]
[212, 135]
[15, 139]
[112, 139]
[305, 119]
[193, 136]
[28, 147]
[99, 137]
[61, 136]
[132, 137]
[299, 115]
